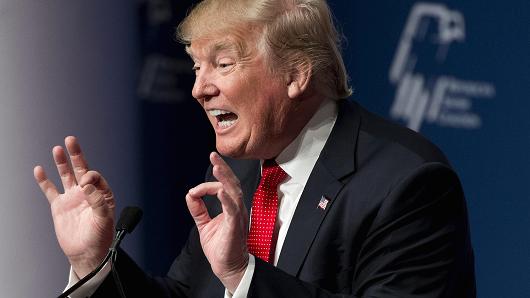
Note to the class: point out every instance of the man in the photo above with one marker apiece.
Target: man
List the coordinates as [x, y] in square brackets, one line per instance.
[342, 203]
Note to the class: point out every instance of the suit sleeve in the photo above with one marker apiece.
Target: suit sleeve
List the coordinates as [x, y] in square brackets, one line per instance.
[416, 246]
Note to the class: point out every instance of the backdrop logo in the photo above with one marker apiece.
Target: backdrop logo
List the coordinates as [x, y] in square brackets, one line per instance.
[424, 96]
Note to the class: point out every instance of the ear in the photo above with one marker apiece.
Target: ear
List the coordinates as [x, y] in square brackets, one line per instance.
[298, 79]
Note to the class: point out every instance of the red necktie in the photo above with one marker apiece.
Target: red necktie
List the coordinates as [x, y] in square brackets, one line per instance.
[264, 210]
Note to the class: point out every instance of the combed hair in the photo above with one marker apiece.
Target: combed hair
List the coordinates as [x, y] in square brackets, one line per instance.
[294, 34]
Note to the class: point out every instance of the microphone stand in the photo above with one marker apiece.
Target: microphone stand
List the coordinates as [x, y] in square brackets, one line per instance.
[83, 280]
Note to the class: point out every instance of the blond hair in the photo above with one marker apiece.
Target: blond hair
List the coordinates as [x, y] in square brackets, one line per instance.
[295, 34]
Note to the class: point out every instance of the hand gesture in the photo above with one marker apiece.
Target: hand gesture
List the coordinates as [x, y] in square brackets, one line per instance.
[83, 215]
[223, 238]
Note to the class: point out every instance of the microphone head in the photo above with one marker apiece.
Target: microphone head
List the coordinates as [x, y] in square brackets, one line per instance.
[130, 216]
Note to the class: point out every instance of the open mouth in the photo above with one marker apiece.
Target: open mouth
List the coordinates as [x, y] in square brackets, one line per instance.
[224, 118]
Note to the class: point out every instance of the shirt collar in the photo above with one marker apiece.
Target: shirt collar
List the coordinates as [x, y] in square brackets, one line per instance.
[301, 155]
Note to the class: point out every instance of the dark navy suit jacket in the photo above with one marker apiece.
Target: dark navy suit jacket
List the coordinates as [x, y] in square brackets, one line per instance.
[395, 226]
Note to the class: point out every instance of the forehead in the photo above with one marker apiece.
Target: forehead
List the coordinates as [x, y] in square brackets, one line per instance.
[210, 46]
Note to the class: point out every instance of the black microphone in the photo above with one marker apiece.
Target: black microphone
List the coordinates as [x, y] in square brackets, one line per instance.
[129, 218]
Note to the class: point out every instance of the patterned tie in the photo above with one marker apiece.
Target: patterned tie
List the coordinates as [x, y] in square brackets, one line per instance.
[264, 210]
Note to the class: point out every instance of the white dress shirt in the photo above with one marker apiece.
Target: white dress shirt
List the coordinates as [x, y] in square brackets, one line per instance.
[297, 160]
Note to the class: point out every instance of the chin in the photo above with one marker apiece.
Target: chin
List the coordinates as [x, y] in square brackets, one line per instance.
[231, 150]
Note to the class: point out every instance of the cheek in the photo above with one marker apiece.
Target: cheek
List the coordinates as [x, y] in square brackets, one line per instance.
[266, 120]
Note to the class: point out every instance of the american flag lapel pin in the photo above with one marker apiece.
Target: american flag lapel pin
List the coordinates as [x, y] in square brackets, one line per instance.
[323, 203]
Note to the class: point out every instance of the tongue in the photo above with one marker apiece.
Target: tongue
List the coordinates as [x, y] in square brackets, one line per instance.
[227, 117]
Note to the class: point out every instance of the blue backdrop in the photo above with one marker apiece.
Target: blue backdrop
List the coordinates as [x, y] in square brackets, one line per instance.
[457, 72]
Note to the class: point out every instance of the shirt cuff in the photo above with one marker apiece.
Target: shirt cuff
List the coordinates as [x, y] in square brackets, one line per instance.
[244, 285]
[90, 286]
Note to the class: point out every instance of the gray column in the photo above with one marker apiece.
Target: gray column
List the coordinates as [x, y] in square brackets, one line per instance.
[66, 68]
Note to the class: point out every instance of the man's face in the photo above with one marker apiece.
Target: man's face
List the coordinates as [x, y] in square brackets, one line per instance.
[247, 106]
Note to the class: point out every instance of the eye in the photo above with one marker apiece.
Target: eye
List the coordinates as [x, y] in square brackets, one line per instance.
[225, 64]
[195, 68]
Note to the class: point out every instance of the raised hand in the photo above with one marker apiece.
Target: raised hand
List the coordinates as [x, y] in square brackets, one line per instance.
[83, 215]
[223, 238]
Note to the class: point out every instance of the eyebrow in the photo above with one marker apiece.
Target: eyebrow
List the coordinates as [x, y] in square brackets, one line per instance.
[217, 47]
[224, 45]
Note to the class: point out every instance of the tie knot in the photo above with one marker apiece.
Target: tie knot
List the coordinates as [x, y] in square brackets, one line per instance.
[272, 173]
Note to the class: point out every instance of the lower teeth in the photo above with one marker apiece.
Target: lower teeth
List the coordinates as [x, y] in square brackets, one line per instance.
[226, 123]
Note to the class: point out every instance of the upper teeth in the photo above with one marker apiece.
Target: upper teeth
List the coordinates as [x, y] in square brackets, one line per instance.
[216, 113]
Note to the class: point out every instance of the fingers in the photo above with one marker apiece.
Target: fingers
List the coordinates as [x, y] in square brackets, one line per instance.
[230, 205]
[77, 159]
[231, 196]
[94, 186]
[96, 200]
[96, 179]
[46, 186]
[206, 188]
[64, 169]
[195, 203]
[224, 174]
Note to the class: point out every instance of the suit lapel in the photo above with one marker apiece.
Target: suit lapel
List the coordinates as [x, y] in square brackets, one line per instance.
[248, 173]
[250, 184]
[307, 218]
[336, 161]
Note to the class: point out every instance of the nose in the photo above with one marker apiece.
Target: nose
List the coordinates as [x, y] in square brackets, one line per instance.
[204, 87]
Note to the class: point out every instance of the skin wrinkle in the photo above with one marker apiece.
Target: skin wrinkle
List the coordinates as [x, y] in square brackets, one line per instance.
[229, 44]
